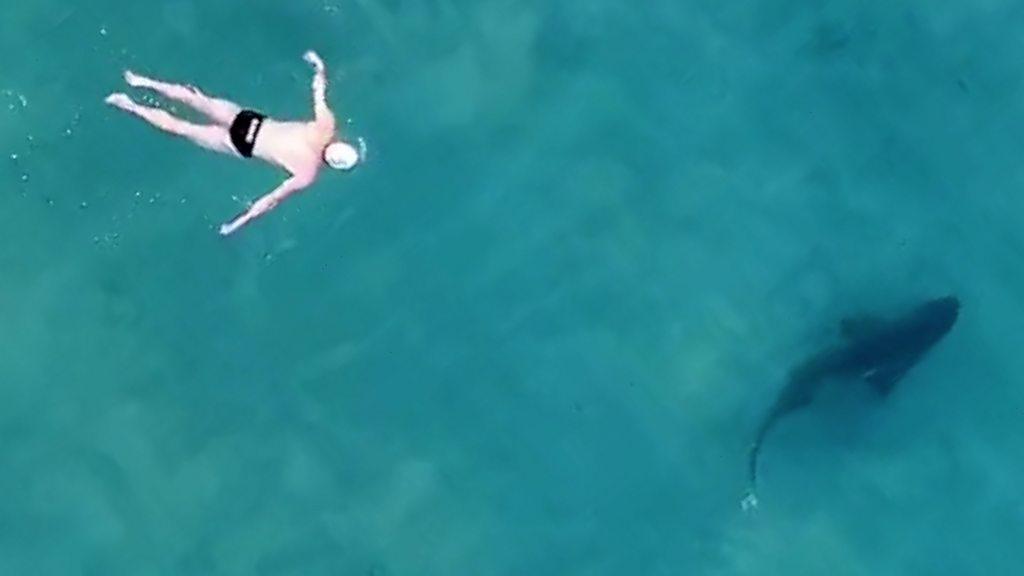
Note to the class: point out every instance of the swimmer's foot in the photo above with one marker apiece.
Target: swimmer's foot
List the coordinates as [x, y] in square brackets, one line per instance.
[171, 90]
[136, 81]
[120, 100]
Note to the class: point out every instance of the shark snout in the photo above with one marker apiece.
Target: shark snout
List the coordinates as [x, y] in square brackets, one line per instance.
[950, 303]
[946, 310]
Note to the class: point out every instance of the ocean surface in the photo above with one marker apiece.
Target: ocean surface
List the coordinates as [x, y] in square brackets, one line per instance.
[534, 334]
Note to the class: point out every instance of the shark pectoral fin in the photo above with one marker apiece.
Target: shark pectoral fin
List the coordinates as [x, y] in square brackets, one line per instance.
[857, 327]
[884, 379]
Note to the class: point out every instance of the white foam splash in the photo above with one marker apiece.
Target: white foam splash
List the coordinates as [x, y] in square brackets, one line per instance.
[749, 502]
[12, 96]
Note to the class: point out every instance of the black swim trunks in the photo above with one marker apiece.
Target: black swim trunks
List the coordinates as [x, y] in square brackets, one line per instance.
[244, 129]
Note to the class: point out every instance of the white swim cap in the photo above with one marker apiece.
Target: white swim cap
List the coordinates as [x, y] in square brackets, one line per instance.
[341, 156]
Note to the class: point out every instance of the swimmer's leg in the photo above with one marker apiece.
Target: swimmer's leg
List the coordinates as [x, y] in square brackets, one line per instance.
[222, 112]
[213, 137]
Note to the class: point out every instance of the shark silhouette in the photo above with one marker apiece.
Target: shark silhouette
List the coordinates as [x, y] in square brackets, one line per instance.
[878, 351]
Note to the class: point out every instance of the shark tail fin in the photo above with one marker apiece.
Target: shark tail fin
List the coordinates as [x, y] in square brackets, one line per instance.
[755, 451]
[750, 500]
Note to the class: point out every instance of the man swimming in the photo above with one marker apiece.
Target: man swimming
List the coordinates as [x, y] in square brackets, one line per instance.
[300, 148]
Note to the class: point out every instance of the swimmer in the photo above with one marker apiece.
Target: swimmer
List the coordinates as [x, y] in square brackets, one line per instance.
[300, 148]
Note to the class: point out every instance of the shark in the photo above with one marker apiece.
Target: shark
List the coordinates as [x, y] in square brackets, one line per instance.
[874, 350]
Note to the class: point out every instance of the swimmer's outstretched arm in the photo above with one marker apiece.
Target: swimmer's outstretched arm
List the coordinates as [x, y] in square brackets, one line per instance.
[265, 204]
[320, 108]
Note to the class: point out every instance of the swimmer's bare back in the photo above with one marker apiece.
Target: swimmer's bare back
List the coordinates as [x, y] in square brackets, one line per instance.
[299, 148]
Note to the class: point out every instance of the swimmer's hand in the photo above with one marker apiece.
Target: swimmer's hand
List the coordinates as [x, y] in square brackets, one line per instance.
[235, 223]
[266, 203]
[314, 59]
[260, 207]
[226, 229]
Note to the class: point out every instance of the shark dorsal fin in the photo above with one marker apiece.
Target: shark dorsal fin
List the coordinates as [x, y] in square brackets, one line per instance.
[856, 327]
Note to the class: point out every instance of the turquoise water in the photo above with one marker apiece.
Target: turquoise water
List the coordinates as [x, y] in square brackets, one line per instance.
[535, 332]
